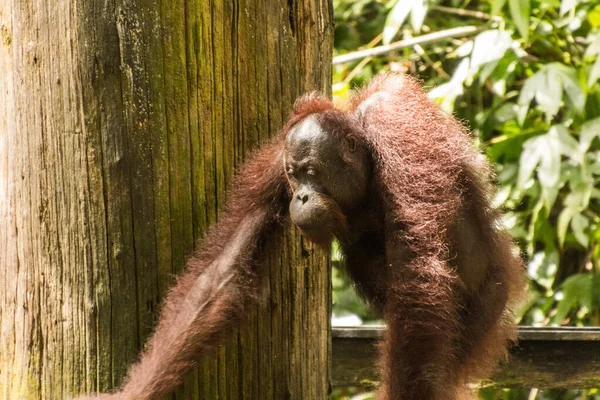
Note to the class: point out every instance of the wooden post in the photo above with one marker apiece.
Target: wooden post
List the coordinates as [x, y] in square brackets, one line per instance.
[121, 125]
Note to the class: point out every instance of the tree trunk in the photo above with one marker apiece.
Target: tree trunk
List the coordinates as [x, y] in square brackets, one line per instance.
[121, 125]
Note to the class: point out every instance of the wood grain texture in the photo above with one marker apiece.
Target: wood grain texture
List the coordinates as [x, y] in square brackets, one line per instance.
[121, 125]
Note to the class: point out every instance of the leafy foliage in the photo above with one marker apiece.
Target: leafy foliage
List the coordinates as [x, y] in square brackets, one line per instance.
[527, 84]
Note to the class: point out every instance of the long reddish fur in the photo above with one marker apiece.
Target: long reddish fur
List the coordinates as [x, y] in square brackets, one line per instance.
[168, 355]
[426, 174]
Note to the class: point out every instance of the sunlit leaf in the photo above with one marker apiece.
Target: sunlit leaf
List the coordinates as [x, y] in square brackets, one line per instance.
[593, 162]
[542, 268]
[505, 67]
[549, 4]
[501, 196]
[593, 50]
[588, 131]
[395, 19]
[530, 158]
[417, 14]
[567, 5]
[576, 289]
[535, 212]
[549, 94]
[448, 92]
[570, 83]
[594, 73]
[497, 6]
[594, 17]
[528, 92]
[506, 112]
[579, 224]
[594, 47]
[464, 49]
[520, 9]
[564, 219]
[488, 48]
[547, 86]
[555, 143]
[340, 90]
[544, 153]
[579, 197]
[567, 144]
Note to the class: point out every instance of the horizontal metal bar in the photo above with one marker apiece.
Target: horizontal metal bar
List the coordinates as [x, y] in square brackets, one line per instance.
[543, 358]
[524, 332]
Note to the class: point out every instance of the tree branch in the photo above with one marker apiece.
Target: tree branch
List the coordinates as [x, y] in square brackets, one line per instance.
[423, 39]
[462, 12]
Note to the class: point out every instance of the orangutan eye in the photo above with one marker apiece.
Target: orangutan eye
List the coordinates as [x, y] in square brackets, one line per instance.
[290, 172]
[311, 172]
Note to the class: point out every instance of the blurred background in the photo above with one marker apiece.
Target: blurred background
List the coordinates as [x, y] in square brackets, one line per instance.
[523, 75]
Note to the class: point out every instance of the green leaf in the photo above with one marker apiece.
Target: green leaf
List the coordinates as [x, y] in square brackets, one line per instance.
[503, 72]
[395, 19]
[549, 94]
[570, 83]
[592, 51]
[336, 252]
[567, 5]
[594, 73]
[502, 194]
[520, 9]
[497, 6]
[549, 169]
[506, 112]
[549, 4]
[528, 92]
[594, 47]
[544, 153]
[547, 86]
[417, 14]
[567, 144]
[579, 224]
[594, 17]
[564, 219]
[579, 198]
[588, 131]
[593, 162]
[576, 289]
[530, 158]
[448, 92]
[543, 267]
[488, 48]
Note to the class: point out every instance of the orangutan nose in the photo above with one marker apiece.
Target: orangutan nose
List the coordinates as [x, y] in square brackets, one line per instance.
[303, 198]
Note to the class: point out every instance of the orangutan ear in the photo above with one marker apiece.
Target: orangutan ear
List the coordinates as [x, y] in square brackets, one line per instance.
[351, 142]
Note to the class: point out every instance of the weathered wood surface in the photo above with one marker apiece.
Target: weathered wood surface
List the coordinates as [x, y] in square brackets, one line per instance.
[121, 124]
[543, 358]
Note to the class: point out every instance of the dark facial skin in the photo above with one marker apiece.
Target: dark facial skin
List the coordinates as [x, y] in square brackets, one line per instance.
[329, 175]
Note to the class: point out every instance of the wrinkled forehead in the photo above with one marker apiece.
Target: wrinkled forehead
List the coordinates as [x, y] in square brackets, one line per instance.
[308, 137]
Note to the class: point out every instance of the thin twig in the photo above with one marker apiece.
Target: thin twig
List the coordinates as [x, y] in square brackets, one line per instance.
[357, 69]
[423, 39]
[364, 62]
[462, 13]
[429, 62]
